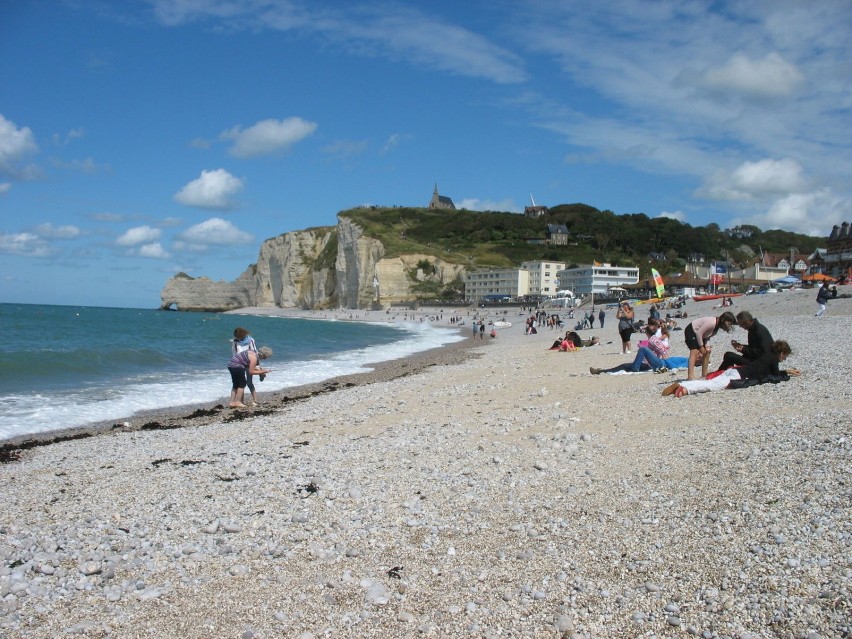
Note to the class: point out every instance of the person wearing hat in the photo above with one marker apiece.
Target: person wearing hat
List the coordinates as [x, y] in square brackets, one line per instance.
[625, 316]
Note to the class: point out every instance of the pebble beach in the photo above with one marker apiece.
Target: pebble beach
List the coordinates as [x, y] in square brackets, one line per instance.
[492, 489]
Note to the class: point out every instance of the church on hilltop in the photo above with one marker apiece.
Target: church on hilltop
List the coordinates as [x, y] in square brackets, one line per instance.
[441, 201]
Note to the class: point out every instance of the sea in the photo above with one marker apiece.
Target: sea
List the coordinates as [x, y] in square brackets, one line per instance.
[70, 366]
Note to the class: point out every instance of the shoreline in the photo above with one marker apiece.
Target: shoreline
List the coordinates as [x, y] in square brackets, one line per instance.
[202, 413]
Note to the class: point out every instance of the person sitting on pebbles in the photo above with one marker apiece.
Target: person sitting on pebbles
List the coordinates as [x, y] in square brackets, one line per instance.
[761, 368]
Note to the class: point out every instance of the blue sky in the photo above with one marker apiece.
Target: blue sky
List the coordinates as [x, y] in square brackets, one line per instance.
[143, 138]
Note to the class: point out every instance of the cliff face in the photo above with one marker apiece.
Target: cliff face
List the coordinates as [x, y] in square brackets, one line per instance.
[186, 293]
[324, 267]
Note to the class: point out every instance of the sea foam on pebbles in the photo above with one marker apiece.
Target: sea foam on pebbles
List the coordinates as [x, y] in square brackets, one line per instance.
[509, 495]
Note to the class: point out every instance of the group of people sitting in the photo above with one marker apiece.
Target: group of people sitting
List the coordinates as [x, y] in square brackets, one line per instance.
[754, 362]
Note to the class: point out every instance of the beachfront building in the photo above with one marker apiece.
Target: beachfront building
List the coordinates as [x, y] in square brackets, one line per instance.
[493, 283]
[441, 201]
[838, 255]
[596, 278]
[759, 272]
[542, 278]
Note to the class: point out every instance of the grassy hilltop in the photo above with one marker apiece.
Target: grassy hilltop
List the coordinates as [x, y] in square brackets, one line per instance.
[499, 239]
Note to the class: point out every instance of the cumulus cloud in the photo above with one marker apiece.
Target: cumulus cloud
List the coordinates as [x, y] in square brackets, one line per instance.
[16, 144]
[212, 190]
[771, 77]
[48, 230]
[212, 232]
[26, 244]
[153, 250]
[753, 180]
[267, 136]
[809, 213]
[138, 235]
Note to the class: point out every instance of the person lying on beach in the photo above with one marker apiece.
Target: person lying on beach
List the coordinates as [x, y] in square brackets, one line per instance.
[242, 364]
[570, 342]
[759, 342]
[654, 353]
[764, 367]
[697, 335]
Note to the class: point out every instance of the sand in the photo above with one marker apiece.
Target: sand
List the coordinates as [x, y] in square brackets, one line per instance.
[501, 491]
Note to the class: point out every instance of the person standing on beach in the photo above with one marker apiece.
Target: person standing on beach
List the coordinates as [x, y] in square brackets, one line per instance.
[822, 299]
[698, 333]
[482, 329]
[625, 316]
[602, 317]
[243, 341]
[242, 365]
[475, 328]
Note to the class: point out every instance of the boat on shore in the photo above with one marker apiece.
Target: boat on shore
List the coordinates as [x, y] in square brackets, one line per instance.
[705, 298]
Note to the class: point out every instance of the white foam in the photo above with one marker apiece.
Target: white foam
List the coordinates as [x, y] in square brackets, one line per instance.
[43, 413]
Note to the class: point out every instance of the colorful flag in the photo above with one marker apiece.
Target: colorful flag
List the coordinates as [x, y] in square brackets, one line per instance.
[716, 273]
[658, 282]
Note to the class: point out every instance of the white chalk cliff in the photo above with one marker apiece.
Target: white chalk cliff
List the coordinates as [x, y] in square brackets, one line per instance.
[323, 267]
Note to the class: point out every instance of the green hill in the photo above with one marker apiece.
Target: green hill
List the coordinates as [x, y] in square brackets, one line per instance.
[499, 239]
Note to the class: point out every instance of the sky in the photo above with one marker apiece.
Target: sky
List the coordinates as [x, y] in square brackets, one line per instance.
[139, 139]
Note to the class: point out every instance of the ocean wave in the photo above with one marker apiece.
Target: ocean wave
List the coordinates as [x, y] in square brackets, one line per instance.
[107, 398]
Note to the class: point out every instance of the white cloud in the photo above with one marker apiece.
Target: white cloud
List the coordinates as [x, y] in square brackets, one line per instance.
[27, 244]
[267, 136]
[153, 250]
[345, 149]
[15, 145]
[66, 232]
[106, 217]
[752, 180]
[394, 140]
[809, 213]
[390, 30]
[5, 187]
[771, 77]
[214, 231]
[138, 235]
[475, 204]
[680, 216]
[212, 190]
